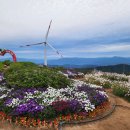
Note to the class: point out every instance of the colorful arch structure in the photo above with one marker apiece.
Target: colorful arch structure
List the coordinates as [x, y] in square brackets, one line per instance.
[3, 52]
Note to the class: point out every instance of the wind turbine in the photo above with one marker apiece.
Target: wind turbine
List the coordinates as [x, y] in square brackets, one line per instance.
[45, 45]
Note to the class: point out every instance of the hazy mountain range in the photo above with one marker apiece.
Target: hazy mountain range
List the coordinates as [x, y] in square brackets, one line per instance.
[80, 62]
[120, 68]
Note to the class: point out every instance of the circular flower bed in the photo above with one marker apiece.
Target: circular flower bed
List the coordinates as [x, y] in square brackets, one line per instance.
[29, 105]
[58, 99]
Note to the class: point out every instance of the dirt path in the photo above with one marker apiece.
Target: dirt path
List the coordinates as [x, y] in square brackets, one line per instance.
[119, 120]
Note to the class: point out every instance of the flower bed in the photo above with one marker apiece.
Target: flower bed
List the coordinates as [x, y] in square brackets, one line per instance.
[35, 96]
[47, 106]
[118, 82]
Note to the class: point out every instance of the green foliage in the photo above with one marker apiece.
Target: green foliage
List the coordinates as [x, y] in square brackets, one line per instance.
[97, 82]
[3, 108]
[7, 62]
[119, 90]
[93, 81]
[30, 75]
[114, 78]
[1, 66]
[58, 68]
[7, 109]
[107, 84]
[1, 103]
[48, 113]
[19, 65]
[127, 98]
[90, 80]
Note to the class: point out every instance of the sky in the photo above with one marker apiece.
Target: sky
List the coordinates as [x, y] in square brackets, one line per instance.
[80, 28]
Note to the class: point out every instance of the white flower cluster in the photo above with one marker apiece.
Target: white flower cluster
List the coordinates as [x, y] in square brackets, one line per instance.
[118, 76]
[128, 93]
[103, 77]
[103, 93]
[2, 89]
[3, 96]
[80, 83]
[15, 102]
[94, 86]
[1, 78]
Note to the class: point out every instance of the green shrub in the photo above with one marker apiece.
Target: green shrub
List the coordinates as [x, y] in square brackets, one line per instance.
[107, 84]
[114, 78]
[124, 79]
[30, 75]
[119, 90]
[7, 62]
[127, 98]
[1, 66]
[93, 81]
[48, 113]
[97, 82]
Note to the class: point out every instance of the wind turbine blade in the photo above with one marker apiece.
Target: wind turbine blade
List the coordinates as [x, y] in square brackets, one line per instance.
[48, 31]
[33, 44]
[57, 52]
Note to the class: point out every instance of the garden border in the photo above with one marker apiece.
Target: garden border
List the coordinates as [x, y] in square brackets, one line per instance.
[104, 115]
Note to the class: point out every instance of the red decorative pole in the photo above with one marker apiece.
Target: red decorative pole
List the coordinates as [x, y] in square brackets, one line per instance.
[3, 52]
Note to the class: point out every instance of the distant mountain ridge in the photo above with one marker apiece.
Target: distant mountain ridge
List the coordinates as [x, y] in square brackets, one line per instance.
[91, 61]
[120, 68]
[81, 62]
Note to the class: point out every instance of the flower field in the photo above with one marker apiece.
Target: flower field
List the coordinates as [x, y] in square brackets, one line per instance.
[118, 82]
[47, 106]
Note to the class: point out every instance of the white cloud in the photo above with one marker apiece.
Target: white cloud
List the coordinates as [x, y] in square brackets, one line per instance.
[103, 48]
[71, 18]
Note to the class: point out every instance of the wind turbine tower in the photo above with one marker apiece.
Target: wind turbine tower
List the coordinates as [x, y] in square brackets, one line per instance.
[45, 43]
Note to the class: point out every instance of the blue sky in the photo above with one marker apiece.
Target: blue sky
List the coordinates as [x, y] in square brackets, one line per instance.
[80, 28]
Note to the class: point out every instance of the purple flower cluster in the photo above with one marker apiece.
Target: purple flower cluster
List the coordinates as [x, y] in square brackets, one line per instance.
[21, 93]
[94, 94]
[8, 101]
[74, 106]
[30, 107]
